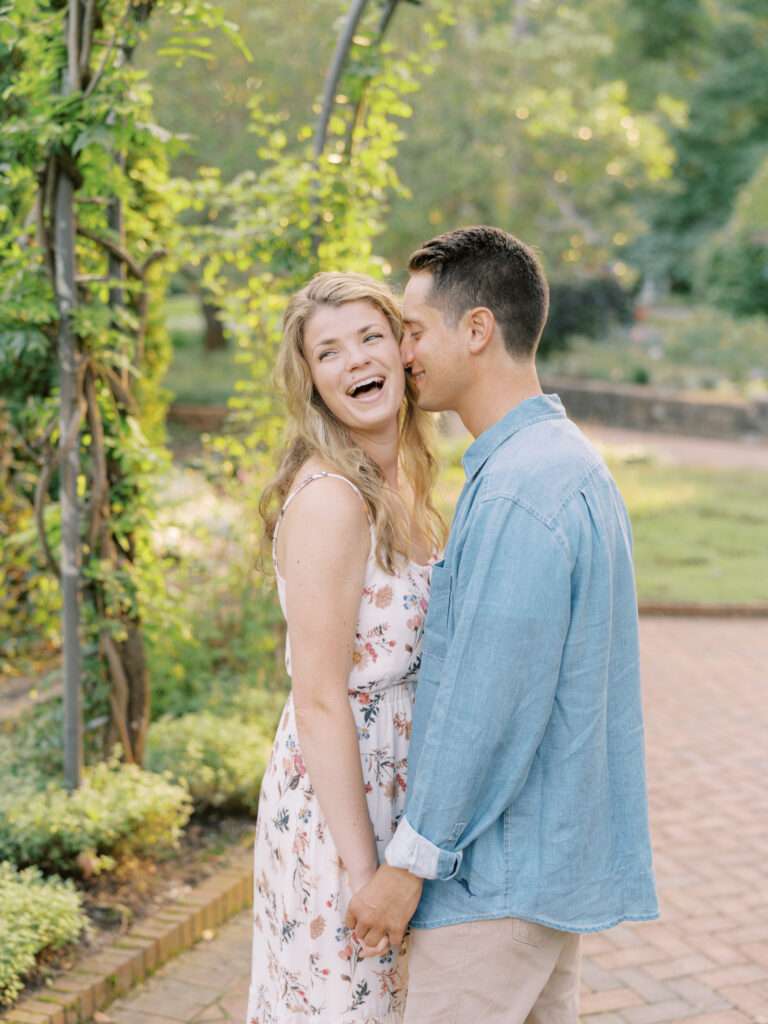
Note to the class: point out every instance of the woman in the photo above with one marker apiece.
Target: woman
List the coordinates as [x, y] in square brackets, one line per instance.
[353, 532]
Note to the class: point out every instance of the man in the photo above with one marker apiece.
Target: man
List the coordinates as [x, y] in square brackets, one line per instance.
[526, 817]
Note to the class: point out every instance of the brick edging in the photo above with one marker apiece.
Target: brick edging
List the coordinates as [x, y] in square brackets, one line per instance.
[96, 980]
[704, 611]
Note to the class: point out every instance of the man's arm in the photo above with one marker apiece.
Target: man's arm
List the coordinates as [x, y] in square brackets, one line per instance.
[511, 601]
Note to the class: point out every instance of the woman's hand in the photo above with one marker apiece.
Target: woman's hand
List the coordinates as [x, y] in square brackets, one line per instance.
[384, 907]
[357, 881]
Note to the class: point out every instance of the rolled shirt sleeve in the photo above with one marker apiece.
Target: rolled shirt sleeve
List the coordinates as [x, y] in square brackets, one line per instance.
[494, 691]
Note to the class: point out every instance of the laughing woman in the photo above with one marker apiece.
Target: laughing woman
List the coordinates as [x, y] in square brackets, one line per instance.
[353, 533]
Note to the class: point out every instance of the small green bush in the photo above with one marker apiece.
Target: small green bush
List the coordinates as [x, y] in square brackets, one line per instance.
[588, 307]
[220, 759]
[118, 812]
[35, 915]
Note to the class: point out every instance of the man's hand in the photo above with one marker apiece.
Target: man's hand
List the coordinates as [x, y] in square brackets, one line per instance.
[383, 907]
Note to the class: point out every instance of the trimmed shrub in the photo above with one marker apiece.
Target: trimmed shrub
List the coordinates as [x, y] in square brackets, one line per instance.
[221, 760]
[588, 307]
[733, 274]
[35, 915]
[120, 811]
[733, 264]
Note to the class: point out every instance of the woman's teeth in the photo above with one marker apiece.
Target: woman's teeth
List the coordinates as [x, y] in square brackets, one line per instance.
[370, 386]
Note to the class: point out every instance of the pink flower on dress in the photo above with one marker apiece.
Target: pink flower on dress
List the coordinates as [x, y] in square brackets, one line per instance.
[383, 597]
[370, 651]
[364, 698]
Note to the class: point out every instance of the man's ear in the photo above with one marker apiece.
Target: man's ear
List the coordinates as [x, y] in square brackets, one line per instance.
[481, 324]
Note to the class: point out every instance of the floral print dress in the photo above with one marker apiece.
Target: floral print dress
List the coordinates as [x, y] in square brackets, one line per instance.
[305, 962]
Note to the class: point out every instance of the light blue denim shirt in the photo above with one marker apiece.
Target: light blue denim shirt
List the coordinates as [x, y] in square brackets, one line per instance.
[526, 782]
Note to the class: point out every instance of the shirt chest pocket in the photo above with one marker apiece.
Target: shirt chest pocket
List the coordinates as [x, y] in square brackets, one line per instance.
[438, 625]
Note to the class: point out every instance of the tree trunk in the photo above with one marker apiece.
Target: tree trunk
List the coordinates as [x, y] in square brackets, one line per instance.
[135, 662]
[214, 338]
[130, 693]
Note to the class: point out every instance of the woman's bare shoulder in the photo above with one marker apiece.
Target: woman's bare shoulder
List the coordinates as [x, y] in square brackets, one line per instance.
[332, 505]
[314, 466]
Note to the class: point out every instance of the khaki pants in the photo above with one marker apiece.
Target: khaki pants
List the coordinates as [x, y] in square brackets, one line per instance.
[505, 971]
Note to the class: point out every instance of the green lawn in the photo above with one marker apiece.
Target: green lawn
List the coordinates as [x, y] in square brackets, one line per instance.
[701, 536]
[195, 376]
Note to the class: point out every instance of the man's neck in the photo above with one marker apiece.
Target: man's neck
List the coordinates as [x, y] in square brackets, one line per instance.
[494, 395]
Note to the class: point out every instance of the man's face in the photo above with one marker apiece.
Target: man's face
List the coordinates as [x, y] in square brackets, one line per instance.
[433, 350]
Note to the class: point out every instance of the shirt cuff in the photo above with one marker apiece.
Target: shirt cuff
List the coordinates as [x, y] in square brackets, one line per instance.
[408, 850]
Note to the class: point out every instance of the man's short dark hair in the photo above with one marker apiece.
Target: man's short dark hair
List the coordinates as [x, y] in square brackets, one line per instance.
[484, 266]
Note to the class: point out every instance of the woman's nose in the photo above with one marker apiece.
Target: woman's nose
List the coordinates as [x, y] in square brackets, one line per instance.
[358, 356]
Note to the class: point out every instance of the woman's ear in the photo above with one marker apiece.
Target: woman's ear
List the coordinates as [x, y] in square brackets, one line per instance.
[481, 324]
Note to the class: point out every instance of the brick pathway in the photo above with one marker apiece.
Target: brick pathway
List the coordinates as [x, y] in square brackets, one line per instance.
[706, 961]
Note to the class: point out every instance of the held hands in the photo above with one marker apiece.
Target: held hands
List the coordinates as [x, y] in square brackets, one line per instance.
[379, 912]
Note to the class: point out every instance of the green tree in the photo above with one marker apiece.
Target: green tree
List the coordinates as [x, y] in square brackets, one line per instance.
[528, 122]
[721, 140]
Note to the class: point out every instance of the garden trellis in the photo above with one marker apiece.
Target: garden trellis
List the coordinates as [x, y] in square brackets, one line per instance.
[89, 213]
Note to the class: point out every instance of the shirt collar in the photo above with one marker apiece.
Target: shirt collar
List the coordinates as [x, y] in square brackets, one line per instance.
[532, 410]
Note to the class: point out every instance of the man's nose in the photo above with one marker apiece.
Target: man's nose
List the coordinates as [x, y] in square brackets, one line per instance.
[406, 352]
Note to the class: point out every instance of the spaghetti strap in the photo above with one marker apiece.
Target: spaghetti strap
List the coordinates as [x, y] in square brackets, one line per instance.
[299, 489]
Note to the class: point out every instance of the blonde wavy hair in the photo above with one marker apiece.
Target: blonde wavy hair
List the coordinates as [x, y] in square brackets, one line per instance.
[313, 430]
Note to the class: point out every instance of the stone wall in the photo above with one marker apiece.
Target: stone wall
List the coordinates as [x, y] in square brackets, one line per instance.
[651, 409]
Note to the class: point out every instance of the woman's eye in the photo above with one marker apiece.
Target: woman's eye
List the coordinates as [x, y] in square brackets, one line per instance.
[327, 352]
[370, 337]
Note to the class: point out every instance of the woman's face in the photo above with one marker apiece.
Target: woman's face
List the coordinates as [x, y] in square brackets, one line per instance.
[355, 363]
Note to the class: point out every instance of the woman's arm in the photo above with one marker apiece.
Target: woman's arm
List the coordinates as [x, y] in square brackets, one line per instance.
[326, 544]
